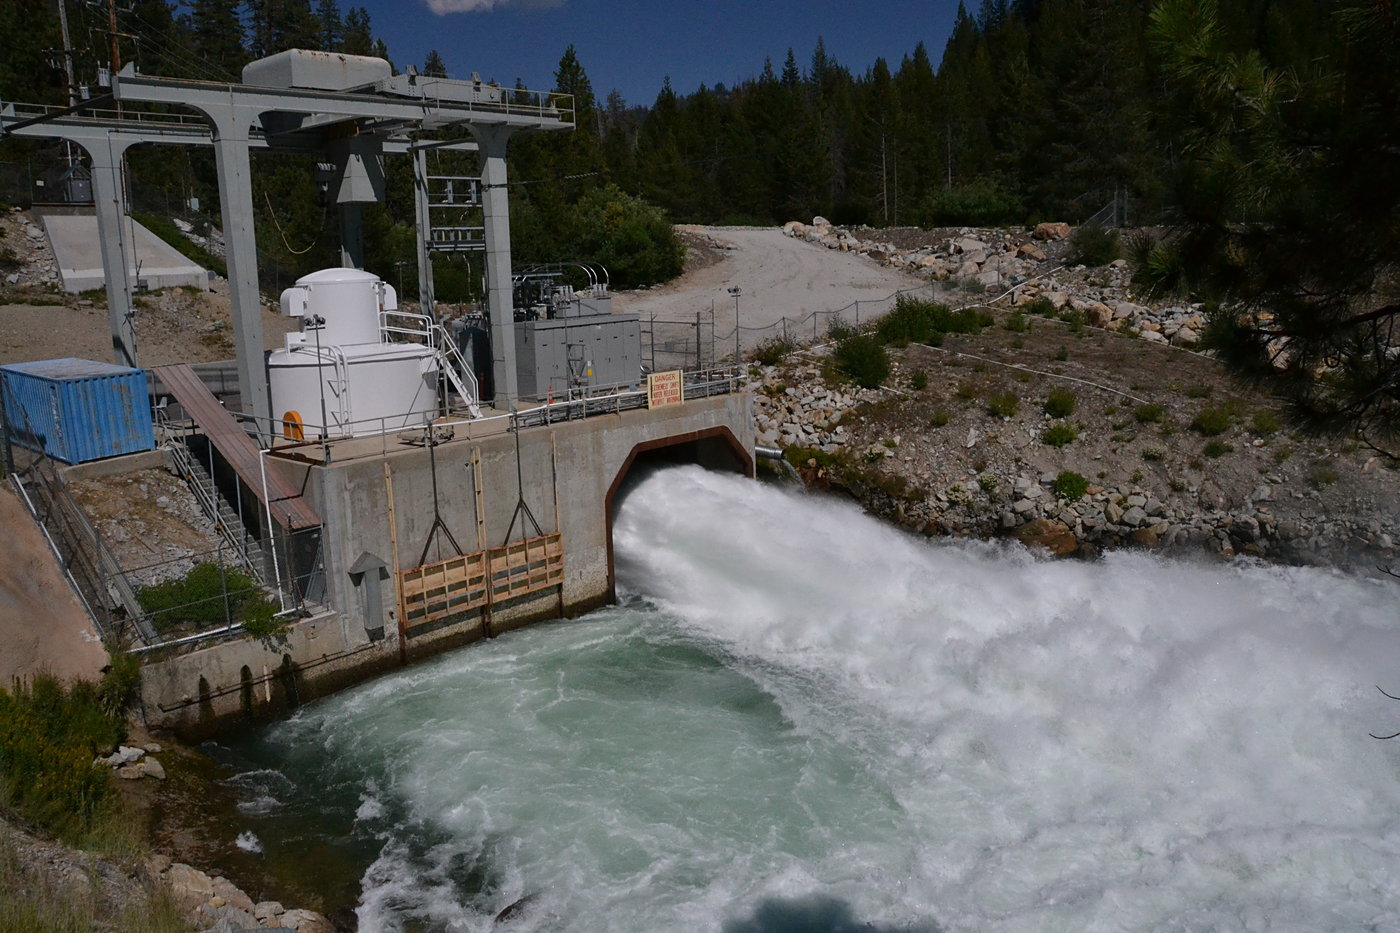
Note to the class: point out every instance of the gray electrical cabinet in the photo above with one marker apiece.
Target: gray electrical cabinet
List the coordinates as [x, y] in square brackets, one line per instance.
[578, 351]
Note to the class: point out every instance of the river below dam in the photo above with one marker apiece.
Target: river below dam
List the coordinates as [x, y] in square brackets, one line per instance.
[799, 718]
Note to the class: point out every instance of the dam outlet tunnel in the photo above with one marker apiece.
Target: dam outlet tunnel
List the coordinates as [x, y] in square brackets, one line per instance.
[713, 448]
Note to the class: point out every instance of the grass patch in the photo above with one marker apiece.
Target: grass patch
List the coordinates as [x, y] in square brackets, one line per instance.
[918, 380]
[1003, 404]
[1321, 477]
[1265, 423]
[1070, 486]
[1216, 449]
[1093, 245]
[772, 351]
[862, 359]
[207, 596]
[917, 321]
[939, 418]
[1060, 403]
[165, 228]
[1148, 414]
[49, 734]
[1060, 434]
[1211, 422]
[1017, 323]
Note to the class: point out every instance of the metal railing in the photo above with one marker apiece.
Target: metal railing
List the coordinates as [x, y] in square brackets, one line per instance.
[584, 402]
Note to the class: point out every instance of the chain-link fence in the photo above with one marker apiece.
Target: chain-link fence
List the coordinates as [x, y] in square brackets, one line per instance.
[181, 600]
[678, 342]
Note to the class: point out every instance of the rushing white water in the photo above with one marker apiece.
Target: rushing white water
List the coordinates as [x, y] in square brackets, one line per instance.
[803, 719]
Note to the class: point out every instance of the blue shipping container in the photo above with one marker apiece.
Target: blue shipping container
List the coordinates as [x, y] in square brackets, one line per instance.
[77, 410]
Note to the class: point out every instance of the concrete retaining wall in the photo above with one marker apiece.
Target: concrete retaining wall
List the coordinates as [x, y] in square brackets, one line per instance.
[566, 475]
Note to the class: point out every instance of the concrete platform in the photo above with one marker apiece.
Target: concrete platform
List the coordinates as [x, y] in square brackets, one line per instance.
[78, 253]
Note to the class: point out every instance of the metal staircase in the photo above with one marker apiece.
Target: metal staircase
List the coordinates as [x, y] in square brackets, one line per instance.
[455, 370]
[227, 521]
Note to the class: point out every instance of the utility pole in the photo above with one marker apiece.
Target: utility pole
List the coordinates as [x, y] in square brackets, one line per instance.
[112, 35]
[67, 53]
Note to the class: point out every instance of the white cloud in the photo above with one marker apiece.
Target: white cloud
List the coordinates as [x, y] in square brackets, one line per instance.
[443, 7]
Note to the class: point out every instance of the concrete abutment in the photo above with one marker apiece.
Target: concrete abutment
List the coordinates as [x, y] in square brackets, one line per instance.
[391, 511]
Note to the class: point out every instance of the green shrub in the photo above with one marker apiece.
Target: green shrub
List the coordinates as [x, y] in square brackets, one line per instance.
[1199, 390]
[1075, 318]
[1148, 414]
[207, 596]
[1039, 305]
[1003, 404]
[1321, 477]
[772, 351]
[861, 358]
[838, 329]
[1070, 486]
[49, 735]
[165, 228]
[1061, 355]
[1060, 403]
[918, 321]
[918, 380]
[1017, 323]
[1214, 449]
[1212, 421]
[799, 457]
[1153, 454]
[1093, 245]
[989, 483]
[1060, 434]
[982, 202]
[1265, 423]
[939, 418]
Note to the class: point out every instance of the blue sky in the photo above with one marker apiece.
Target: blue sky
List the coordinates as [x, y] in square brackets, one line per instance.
[632, 45]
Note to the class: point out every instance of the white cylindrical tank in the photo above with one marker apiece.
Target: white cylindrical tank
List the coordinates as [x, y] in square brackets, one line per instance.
[366, 389]
[338, 376]
[348, 299]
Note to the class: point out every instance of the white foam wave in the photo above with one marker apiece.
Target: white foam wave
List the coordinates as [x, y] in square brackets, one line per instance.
[911, 733]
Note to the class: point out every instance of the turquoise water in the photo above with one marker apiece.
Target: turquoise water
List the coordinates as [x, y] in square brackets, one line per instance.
[802, 719]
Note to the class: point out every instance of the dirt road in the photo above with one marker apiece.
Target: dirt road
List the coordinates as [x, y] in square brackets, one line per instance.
[778, 276]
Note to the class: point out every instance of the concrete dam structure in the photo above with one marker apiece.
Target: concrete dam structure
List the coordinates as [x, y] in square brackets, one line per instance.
[388, 484]
[430, 547]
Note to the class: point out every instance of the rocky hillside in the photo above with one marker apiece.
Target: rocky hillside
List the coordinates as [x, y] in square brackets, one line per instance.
[1079, 422]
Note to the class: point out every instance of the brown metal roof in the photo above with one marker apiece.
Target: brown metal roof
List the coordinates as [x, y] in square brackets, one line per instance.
[288, 508]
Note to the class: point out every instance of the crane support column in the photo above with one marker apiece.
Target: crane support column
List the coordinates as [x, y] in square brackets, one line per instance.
[500, 298]
[231, 156]
[107, 152]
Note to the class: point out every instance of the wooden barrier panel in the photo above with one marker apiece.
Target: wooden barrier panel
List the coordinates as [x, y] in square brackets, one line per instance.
[472, 581]
[526, 566]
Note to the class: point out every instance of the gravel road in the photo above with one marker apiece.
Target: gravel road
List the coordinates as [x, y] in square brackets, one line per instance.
[778, 276]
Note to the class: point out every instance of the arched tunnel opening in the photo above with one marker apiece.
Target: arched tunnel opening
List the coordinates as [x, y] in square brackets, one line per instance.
[714, 449]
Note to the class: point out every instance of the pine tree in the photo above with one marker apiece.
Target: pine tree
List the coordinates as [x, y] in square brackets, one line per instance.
[357, 39]
[433, 65]
[331, 26]
[218, 35]
[1290, 206]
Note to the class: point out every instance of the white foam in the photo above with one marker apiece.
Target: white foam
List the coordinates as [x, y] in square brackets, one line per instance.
[959, 734]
